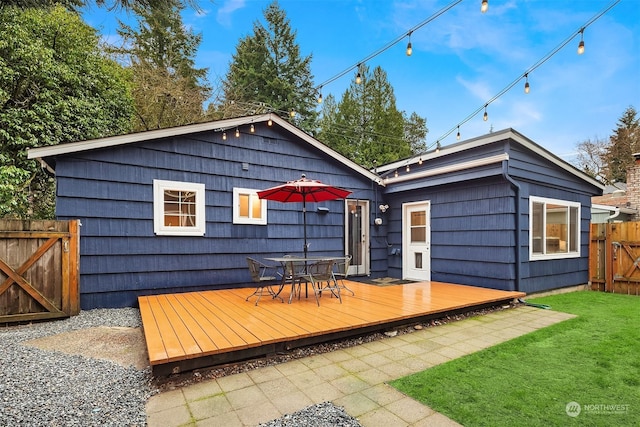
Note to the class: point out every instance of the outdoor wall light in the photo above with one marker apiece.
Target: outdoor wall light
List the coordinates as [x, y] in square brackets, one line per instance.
[378, 221]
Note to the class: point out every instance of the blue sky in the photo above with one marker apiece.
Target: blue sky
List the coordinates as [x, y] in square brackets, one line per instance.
[460, 61]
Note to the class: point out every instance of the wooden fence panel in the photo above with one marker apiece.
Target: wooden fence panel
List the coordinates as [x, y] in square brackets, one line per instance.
[39, 269]
[614, 258]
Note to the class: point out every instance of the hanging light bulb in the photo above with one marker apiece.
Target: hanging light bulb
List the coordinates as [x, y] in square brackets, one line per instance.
[437, 146]
[396, 174]
[320, 99]
[292, 113]
[358, 78]
[485, 116]
[420, 160]
[581, 44]
[224, 136]
[458, 134]
[237, 133]
[269, 122]
[408, 168]
[484, 6]
[252, 128]
[409, 48]
[526, 83]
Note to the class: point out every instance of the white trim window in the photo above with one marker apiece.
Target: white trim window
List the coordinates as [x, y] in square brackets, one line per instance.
[248, 208]
[554, 228]
[178, 208]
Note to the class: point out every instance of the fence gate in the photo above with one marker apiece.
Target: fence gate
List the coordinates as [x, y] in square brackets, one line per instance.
[39, 269]
[614, 258]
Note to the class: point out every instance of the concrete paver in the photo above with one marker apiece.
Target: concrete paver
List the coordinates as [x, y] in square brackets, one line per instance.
[354, 378]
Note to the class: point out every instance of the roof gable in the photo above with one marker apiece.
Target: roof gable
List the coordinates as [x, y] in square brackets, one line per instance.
[485, 140]
[47, 152]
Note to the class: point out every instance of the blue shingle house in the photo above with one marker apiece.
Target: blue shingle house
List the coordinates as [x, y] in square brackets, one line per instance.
[176, 210]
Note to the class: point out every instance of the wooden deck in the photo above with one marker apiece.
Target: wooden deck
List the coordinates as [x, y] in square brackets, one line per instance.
[192, 330]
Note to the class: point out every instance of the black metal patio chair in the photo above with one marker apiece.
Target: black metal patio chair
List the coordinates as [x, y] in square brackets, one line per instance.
[265, 276]
[341, 272]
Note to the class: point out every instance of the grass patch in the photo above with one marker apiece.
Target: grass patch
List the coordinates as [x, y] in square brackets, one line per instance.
[593, 359]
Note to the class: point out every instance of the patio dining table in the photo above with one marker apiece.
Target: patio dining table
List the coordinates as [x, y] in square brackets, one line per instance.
[298, 267]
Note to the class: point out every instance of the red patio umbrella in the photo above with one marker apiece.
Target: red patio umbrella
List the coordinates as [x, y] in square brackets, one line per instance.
[303, 190]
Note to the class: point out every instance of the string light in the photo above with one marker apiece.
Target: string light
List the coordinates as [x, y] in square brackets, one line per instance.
[437, 146]
[292, 113]
[420, 160]
[237, 133]
[484, 6]
[581, 44]
[393, 42]
[485, 116]
[526, 83]
[320, 96]
[224, 136]
[252, 128]
[458, 135]
[396, 173]
[409, 48]
[358, 76]
[270, 122]
[408, 168]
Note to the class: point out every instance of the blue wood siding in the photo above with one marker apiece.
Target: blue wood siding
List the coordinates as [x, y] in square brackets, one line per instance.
[111, 192]
[474, 219]
[472, 232]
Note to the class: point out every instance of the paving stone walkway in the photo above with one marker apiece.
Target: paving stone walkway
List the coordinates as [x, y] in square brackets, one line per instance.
[354, 378]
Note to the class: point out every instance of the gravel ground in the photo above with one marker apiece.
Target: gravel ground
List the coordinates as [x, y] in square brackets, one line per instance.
[51, 388]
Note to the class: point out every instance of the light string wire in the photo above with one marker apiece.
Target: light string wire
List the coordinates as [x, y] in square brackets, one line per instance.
[389, 45]
[525, 74]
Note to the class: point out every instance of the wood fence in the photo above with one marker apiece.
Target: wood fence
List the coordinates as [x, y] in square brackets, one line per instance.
[39, 269]
[614, 257]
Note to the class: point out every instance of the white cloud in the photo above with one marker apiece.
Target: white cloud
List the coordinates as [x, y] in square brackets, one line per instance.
[224, 13]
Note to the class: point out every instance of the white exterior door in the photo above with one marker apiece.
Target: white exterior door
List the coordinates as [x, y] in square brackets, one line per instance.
[357, 235]
[416, 241]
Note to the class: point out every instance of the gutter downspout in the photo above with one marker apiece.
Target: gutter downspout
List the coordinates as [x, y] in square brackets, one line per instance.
[516, 186]
[615, 215]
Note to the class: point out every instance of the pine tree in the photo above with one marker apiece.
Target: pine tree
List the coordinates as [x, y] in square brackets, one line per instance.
[267, 73]
[624, 143]
[366, 125]
[168, 89]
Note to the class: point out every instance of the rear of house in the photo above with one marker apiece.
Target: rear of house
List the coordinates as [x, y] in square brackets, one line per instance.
[176, 210]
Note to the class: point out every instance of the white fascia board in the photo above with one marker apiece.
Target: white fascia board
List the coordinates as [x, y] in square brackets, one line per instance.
[112, 141]
[322, 147]
[450, 168]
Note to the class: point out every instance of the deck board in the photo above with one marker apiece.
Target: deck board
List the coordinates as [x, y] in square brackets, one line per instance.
[204, 327]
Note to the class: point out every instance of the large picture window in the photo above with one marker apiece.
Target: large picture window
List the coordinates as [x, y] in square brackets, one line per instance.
[554, 228]
[248, 208]
[178, 208]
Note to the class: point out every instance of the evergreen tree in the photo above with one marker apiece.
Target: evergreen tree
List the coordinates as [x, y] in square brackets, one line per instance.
[56, 85]
[624, 143]
[366, 125]
[267, 73]
[168, 89]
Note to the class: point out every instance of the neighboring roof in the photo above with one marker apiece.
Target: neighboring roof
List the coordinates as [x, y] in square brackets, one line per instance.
[42, 153]
[481, 141]
[612, 209]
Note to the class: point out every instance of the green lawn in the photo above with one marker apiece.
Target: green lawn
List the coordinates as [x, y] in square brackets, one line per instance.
[593, 359]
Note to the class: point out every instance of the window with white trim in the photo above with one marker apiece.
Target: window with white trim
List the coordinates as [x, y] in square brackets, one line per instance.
[554, 228]
[248, 208]
[178, 208]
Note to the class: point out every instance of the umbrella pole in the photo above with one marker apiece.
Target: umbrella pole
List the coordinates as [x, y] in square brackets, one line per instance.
[304, 220]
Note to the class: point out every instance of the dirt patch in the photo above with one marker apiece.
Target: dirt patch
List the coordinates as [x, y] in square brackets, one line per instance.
[124, 346]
